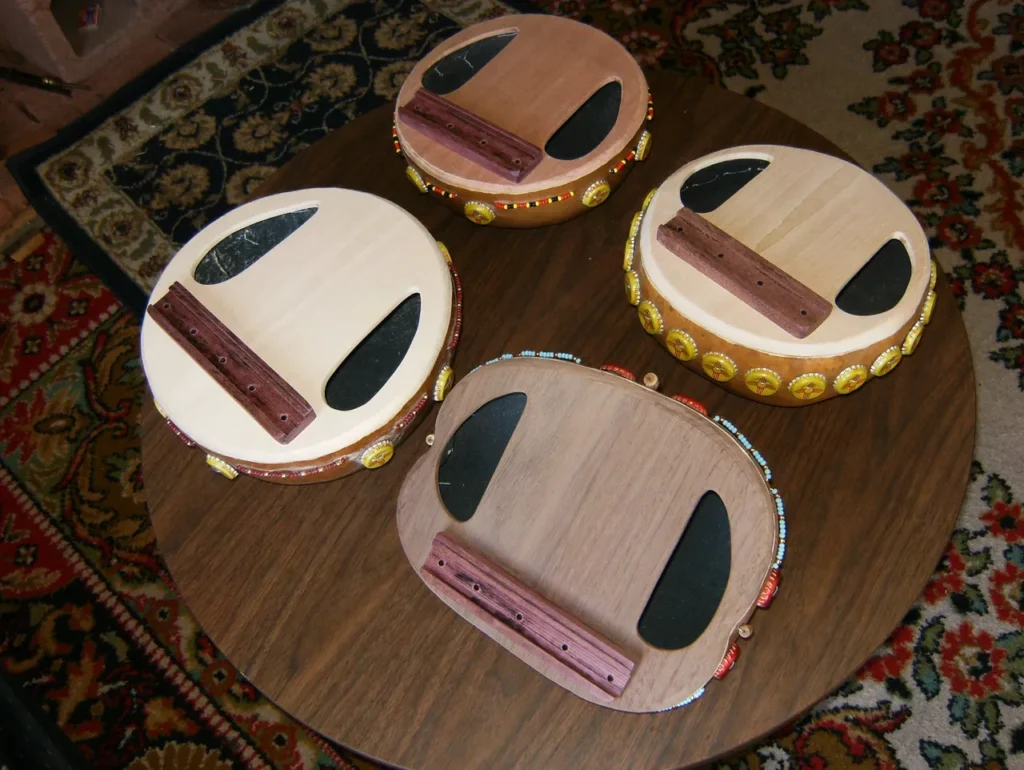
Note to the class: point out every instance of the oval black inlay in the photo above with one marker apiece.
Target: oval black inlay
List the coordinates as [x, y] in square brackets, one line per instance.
[459, 67]
[709, 188]
[880, 284]
[472, 453]
[372, 362]
[244, 248]
[588, 126]
[693, 582]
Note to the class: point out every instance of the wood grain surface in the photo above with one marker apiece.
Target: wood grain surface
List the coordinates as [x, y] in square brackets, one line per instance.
[587, 505]
[261, 391]
[528, 90]
[307, 589]
[750, 277]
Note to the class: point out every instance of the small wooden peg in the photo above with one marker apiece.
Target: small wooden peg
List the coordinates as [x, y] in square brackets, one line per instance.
[745, 631]
[651, 381]
[430, 439]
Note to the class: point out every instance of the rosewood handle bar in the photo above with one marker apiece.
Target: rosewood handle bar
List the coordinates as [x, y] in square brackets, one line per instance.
[746, 274]
[261, 391]
[482, 586]
[471, 136]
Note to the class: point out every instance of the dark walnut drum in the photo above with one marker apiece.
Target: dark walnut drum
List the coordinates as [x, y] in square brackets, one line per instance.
[615, 540]
[784, 275]
[299, 337]
[523, 121]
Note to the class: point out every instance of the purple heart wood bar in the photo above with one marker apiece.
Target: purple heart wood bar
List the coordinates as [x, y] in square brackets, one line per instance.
[524, 120]
[746, 274]
[261, 391]
[471, 136]
[496, 596]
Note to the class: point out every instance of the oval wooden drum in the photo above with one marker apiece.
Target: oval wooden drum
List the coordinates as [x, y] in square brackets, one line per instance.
[301, 336]
[524, 120]
[785, 275]
[616, 540]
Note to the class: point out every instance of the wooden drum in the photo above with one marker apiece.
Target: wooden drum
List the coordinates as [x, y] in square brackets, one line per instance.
[524, 120]
[300, 336]
[785, 275]
[615, 540]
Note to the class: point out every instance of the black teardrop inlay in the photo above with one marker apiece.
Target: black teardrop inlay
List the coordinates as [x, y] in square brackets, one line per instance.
[372, 362]
[693, 582]
[880, 284]
[459, 67]
[709, 188]
[244, 248]
[588, 126]
[472, 453]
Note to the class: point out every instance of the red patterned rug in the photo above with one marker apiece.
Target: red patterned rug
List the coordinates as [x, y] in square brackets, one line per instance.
[928, 94]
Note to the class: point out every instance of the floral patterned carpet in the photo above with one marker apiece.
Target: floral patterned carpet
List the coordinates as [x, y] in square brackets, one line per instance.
[929, 94]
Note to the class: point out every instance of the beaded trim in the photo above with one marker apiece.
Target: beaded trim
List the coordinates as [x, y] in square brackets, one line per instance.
[780, 554]
[177, 432]
[506, 206]
[633, 153]
[731, 655]
[431, 187]
[622, 163]
[530, 354]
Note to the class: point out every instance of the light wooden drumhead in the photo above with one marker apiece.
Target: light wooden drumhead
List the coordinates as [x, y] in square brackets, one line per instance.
[819, 219]
[530, 88]
[586, 505]
[302, 308]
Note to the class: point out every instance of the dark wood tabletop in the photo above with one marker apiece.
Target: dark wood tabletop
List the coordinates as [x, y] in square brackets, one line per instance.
[307, 589]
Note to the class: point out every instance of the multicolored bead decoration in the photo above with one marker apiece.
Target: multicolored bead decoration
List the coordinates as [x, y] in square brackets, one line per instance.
[779, 509]
[530, 354]
[507, 206]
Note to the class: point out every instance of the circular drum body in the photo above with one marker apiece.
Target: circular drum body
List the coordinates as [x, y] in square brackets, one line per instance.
[615, 540]
[300, 336]
[523, 121]
[785, 275]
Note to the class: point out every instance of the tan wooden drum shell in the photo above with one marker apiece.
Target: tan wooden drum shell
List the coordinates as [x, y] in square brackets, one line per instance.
[595, 487]
[300, 309]
[783, 216]
[528, 90]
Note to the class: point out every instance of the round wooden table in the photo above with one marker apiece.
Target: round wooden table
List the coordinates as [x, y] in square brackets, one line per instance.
[308, 592]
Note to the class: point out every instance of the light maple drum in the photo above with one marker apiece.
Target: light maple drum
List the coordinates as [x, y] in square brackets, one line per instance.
[748, 291]
[295, 308]
[308, 591]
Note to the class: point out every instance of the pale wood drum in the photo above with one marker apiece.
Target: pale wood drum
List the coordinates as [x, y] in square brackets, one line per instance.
[785, 275]
[524, 120]
[615, 540]
[300, 336]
